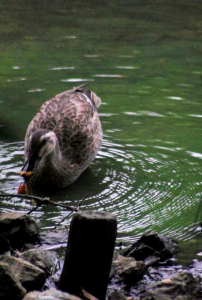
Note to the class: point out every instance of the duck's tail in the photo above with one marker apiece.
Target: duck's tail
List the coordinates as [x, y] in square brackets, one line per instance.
[91, 95]
[95, 100]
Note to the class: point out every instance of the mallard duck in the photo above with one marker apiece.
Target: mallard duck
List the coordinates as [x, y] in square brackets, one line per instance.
[62, 139]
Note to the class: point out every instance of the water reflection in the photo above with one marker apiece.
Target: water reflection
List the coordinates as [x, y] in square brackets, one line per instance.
[126, 67]
[76, 80]
[144, 113]
[62, 68]
[36, 90]
[10, 160]
[109, 75]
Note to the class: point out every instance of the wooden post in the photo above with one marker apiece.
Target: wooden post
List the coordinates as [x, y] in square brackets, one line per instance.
[89, 254]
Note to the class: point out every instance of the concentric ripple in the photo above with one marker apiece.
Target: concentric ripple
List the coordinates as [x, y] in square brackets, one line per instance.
[11, 160]
[149, 186]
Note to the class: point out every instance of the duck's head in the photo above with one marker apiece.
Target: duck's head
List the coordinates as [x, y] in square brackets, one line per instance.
[42, 143]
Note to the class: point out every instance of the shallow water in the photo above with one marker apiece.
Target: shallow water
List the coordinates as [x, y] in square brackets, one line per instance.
[145, 63]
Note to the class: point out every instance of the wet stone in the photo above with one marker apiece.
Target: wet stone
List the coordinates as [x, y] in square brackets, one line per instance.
[45, 260]
[152, 248]
[182, 286]
[52, 294]
[54, 238]
[29, 276]
[127, 269]
[18, 229]
[10, 287]
[117, 295]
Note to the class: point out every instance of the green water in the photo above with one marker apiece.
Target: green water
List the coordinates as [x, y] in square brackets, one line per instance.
[144, 61]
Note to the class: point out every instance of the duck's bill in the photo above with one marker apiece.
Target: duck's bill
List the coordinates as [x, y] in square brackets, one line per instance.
[30, 166]
[26, 174]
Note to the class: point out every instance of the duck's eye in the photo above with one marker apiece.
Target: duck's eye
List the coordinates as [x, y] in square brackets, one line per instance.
[43, 141]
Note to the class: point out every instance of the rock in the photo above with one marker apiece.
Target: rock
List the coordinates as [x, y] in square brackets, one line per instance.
[152, 247]
[116, 295]
[10, 287]
[4, 246]
[182, 286]
[18, 228]
[28, 275]
[45, 260]
[127, 269]
[56, 238]
[51, 294]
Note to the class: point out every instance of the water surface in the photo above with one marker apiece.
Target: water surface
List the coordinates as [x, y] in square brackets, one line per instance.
[144, 61]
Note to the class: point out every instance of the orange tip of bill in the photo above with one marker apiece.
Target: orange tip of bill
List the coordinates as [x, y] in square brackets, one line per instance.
[26, 174]
[23, 189]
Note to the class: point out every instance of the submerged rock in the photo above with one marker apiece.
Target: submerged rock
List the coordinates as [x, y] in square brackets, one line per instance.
[18, 229]
[51, 294]
[29, 276]
[182, 286]
[152, 247]
[10, 287]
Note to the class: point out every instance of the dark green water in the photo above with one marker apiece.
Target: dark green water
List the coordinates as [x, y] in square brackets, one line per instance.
[144, 61]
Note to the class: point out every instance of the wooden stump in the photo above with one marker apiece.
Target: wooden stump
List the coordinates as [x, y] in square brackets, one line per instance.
[89, 254]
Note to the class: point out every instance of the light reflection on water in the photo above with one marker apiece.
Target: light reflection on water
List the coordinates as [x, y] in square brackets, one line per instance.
[158, 190]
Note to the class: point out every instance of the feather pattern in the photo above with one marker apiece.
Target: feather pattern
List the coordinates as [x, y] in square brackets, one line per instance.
[73, 117]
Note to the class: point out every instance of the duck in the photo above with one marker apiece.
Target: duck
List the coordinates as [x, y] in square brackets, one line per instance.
[62, 139]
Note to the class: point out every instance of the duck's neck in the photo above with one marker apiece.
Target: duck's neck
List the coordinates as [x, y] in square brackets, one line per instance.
[54, 171]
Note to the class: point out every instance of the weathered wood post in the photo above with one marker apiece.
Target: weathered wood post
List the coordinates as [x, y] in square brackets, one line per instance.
[89, 253]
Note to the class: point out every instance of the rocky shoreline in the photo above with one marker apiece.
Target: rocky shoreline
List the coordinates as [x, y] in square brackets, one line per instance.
[30, 267]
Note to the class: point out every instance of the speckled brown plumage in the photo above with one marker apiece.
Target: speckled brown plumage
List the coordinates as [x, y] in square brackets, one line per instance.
[73, 117]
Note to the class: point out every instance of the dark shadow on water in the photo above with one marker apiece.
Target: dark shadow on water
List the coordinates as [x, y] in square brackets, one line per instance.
[89, 183]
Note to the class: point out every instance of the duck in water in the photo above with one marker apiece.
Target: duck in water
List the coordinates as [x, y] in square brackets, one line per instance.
[62, 139]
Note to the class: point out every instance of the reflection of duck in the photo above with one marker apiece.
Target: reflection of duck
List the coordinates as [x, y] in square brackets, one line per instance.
[62, 139]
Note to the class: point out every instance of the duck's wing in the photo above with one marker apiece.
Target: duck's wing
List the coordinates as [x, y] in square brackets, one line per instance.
[79, 130]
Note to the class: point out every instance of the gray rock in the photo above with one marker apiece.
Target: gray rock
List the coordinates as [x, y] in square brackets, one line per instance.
[116, 295]
[127, 269]
[28, 275]
[152, 247]
[18, 228]
[182, 286]
[10, 287]
[55, 237]
[51, 294]
[45, 260]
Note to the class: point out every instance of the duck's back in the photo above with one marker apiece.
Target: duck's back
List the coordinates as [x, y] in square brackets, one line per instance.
[73, 116]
